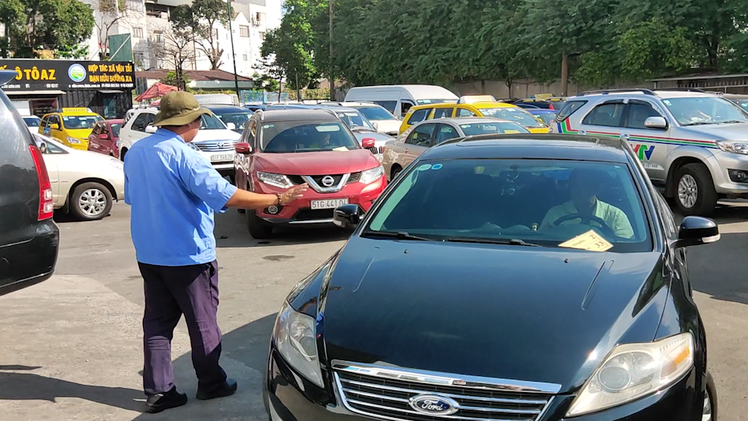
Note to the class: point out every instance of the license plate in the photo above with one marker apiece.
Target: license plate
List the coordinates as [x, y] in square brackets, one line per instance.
[328, 204]
[222, 157]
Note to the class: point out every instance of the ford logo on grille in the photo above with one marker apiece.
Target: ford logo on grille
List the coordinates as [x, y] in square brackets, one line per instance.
[434, 404]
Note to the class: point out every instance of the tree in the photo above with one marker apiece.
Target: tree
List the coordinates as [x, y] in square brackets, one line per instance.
[110, 12]
[291, 50]
[200, 20]
[35, 25]
[174, 48]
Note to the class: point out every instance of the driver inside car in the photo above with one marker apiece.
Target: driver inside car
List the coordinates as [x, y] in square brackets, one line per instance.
[584, 186]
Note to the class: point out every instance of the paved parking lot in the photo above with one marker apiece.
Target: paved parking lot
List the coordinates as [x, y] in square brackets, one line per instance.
[71, 347]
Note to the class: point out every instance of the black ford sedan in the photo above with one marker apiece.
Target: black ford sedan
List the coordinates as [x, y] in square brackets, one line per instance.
[501, 278]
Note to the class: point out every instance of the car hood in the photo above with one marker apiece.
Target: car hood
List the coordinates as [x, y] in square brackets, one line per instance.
[317, 163]
[78, 133]
[505, 312]
[217, 134]
[388, 126]
[734, 131]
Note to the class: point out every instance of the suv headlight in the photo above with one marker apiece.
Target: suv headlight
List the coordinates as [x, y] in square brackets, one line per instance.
[296, 340]
[276, 180]
[73, 140]
[632, 371]
[371, 175]
[733, 147]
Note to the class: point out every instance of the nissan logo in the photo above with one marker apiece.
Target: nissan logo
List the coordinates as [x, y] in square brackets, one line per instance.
[328, 181]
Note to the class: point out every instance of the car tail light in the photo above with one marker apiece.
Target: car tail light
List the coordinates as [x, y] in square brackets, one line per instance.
[46, 205]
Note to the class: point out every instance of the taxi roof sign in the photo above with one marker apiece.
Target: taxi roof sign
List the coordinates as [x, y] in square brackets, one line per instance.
[469, 99]
[543, 96]
[76, 110]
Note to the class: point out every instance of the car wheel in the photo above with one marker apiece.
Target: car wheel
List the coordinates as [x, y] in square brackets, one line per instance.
[694, 190]
[258, 228]
[709, 412]
[90, 201]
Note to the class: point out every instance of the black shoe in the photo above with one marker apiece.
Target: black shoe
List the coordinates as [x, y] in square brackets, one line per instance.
[227, 388]
[164, 401]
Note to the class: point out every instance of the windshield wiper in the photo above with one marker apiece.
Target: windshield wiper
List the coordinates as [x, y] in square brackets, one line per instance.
[700, 123]
[510, 242]
[403, 235]
[732, 121]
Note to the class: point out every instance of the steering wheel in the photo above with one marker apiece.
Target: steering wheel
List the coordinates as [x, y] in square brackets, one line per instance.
[587, 220]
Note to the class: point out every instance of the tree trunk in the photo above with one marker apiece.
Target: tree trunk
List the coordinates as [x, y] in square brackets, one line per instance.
[565, 75]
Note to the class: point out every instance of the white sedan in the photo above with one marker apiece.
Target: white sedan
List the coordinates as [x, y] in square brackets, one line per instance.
[84, 183]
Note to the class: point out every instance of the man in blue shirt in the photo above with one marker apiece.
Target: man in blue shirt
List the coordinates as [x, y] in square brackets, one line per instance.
[173, 192]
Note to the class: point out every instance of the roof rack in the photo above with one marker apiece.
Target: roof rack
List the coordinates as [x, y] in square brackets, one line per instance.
[609, 91]
[682, 89]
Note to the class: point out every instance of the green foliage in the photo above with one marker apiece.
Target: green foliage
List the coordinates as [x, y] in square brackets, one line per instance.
[78, 52]
[33, 25]
[199, 20]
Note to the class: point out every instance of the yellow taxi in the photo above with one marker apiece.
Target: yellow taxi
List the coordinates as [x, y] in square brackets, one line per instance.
[71, 126]
[475, 106]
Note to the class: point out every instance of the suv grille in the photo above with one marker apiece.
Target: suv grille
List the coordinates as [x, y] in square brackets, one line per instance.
[385, 397]
[215, 146]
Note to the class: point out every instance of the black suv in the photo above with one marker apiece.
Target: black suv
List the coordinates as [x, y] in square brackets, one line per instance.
[29, 238]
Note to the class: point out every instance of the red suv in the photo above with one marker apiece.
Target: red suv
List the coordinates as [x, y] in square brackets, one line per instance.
[283, 148]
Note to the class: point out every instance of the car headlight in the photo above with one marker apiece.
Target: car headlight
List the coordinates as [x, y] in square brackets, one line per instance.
[296, 340]
[372, 175]
[276, 180]
[733, 147]
[73, 140]
[632, 371]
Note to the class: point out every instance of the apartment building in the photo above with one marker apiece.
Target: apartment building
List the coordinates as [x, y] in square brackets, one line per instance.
[109, 20]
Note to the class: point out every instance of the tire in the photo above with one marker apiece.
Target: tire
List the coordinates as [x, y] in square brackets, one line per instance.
[712, 391]
[693, 189]
[258, 228]
[90, 201]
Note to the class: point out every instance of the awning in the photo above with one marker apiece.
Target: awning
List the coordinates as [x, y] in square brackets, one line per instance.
[109, 91]
[9, 93]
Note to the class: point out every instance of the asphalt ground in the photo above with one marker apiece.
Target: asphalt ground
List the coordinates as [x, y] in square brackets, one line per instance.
[71, 347]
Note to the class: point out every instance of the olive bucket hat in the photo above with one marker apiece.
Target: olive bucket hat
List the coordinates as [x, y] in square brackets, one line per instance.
[178, 109]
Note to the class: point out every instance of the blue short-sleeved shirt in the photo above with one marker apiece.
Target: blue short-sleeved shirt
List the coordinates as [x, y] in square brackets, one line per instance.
[173, 192]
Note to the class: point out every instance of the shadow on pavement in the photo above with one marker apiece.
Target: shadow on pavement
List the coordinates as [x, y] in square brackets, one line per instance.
[244, 358]
[29, 386]
[719, 269]
[231, 231]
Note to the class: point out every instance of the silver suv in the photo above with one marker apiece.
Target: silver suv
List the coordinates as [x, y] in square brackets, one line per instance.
[693, 144]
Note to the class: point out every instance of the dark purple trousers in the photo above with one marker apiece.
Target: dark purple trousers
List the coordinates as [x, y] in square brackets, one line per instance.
[170, 292]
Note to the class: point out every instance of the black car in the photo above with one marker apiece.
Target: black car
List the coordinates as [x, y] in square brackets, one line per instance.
[501, 277]
[235, 118]
[29, 238]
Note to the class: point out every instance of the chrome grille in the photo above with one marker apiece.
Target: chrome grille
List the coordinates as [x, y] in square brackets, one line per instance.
[215, 146]
[385, 393]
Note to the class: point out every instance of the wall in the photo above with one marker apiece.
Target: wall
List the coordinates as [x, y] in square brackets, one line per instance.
[525, 88]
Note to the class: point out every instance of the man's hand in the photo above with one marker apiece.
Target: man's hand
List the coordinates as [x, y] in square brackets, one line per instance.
[292, 194]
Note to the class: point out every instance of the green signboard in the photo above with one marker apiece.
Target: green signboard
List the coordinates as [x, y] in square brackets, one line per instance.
[120, 47]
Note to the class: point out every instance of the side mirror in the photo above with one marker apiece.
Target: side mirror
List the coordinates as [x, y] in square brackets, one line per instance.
[368, 142]
[375, 124]
[42, 146]
[54, 126]
[695, 230]
[655, 123]
[243, 148]
[150, 129]
[346, 215]
[104, 136]
[231, 126]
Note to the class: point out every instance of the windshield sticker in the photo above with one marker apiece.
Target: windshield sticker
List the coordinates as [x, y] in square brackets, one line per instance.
[589, 241]
[437, 167]
[424, 167]
[479, 170]
[324, 129]
[510, 131]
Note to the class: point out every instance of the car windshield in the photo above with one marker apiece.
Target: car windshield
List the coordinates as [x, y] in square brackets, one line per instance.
[115, 129]
[239, 119]
[705, 110]
[211, 122]
[492, 128]
[515, 114]
[577, 204]
[306, 136]
[354, 119]
[376, 113]
[32, 121]
[77, 122]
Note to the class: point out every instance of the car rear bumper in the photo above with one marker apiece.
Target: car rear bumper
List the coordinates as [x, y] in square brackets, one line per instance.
[301, 212]
[290, 397]
[28, 263]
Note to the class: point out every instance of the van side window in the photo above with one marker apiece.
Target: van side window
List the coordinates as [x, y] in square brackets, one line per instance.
[419, 116]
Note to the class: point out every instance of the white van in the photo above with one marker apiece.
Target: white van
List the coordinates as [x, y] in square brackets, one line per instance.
[397, 99]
